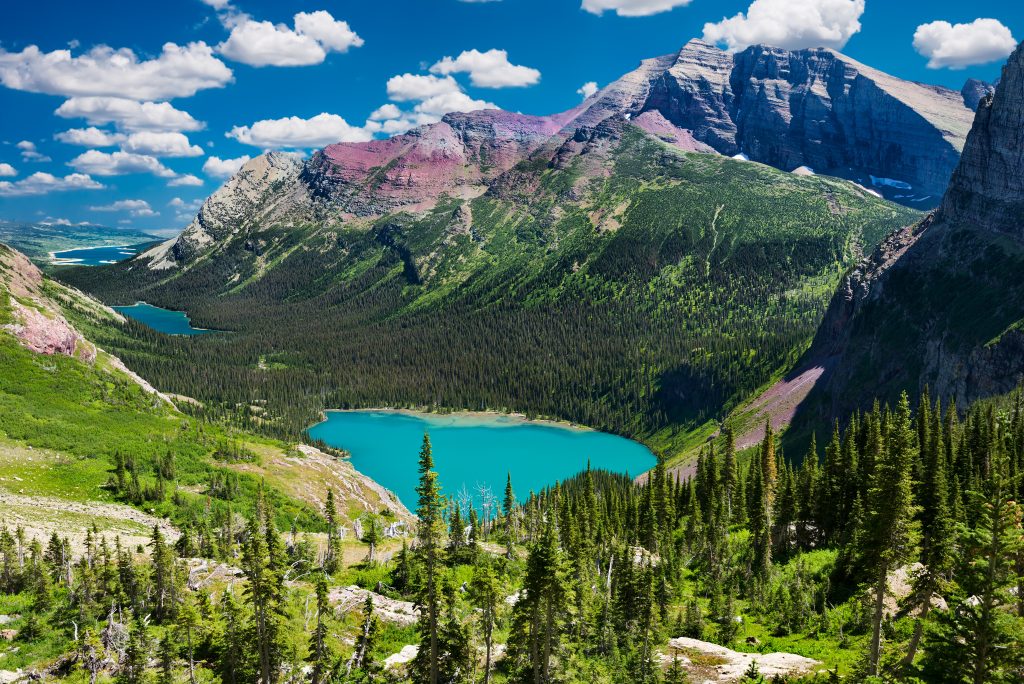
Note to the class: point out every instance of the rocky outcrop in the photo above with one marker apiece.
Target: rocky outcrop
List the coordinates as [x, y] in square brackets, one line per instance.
[36, 311]
[987, 189]
[264, 190]
[974, 91]
[815, 108]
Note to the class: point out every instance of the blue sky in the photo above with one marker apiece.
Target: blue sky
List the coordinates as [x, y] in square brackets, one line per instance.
[149, 126]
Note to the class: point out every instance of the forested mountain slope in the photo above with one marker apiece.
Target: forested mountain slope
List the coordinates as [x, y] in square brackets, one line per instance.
[615, 280]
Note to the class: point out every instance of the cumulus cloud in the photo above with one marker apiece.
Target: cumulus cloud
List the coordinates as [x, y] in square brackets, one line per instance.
[261, 43]
[181, 204]
[179, 71]
[386, 111]
[587, 89]
[6, 170]
[217, 4]
[632, 8]
[161, 144]
[224, 168]
[489, 69]
[789, 24]
[41, 183]
[962, 45]
[434, 96]
[292, 131]
[135, 207]
[185, 180]
[29, 152]
[90, 137]
[408, 87]
[119, 163]
[128, 115]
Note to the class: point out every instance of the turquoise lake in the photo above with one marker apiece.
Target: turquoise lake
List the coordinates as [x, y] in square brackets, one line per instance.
[96, 256]
[161, 320]
[470, 451]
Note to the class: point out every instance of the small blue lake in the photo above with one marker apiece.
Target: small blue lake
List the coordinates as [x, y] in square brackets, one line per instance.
[470, 451]
[161, 320]
[96, 256]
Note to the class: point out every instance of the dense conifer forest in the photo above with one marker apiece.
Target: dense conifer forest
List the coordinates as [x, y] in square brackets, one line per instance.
[895, 553]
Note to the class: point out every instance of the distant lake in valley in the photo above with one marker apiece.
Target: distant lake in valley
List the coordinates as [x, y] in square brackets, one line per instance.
[471, 450]
[95, 256]
[161, 320]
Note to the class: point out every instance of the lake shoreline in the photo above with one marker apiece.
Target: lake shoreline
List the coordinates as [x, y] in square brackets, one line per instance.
[511, 418]
[73, 261]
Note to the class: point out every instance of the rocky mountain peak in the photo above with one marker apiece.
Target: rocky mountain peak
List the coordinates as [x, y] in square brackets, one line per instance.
[974, 91]
[987, 189]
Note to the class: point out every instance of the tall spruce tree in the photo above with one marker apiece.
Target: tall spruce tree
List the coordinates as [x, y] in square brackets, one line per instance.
[889, 518]
[429, 535]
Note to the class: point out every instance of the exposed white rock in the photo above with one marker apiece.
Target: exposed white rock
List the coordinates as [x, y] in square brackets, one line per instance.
[734, 664]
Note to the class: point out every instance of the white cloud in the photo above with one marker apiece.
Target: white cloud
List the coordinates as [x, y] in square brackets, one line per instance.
[261, 43]
[135, 207]
[29, 152]
[129, 115]
[179, 71]
[161, 144]
[224, 168]
[434, 96]
[962, 45]
[632, 8]
[119, 163]
[217, 4]
[181, 204]
[90, 137]
[185, 180]
[408, 87]
[290, 132]
[331, 33]
[789, 24]
[489, 69]
[587, 89]
[8, 171]
[439, 105]
[385, 112]
[40, 183]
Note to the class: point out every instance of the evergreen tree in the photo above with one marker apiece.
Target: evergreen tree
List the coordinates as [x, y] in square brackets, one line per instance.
[887, 534]
[486, 596]
[332, 556]
[429, 533]
[321, 657]
[132, 668]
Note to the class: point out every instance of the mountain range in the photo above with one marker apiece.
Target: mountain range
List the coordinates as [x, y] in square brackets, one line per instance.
[646, 262]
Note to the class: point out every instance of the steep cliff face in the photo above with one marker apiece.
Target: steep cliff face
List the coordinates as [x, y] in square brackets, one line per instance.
[974, 91]
[987, 190]
[941, 303]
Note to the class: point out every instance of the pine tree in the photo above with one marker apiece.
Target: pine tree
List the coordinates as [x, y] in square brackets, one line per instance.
[233, 665]
[262, 563]
[889, 516]
[166, 658]
[332, 555]
[362, 655]
[729, 473]
[163, 579]
[508, 507]
[485, 593]
[429, 533]
[321, 658]
[540, 612]
[132, 668]
[980, 639]
[676, 674]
